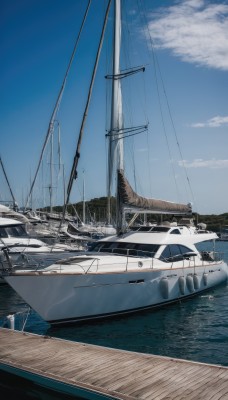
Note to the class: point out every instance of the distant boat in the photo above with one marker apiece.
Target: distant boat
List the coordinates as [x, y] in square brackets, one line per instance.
[132, 271]
[23, 250]
[92, 230]
[224, 233]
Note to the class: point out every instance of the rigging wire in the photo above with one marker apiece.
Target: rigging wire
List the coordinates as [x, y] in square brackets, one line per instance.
[57, 104]
[74, 173]
[176, 137]
[159, 98]
[147, 137]
[156, 63]
[129, 44]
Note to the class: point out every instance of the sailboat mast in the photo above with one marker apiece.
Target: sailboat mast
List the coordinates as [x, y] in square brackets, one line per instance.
[74, 172]
[51, 174]
[11, 192]
[83, 217]
[115, 155]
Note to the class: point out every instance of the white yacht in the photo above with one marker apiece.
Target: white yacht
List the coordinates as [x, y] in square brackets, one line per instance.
[141, 269]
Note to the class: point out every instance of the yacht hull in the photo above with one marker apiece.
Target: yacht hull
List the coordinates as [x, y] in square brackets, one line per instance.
[67, 297]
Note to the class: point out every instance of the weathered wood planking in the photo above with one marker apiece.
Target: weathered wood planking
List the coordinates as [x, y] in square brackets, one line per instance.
[103, 372]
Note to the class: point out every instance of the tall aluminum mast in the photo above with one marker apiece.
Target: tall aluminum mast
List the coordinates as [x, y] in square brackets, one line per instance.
[115, 152]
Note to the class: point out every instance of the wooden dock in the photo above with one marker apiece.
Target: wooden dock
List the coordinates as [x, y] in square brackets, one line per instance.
[94, 372]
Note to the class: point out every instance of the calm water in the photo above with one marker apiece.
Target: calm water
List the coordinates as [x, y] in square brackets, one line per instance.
[195, 330]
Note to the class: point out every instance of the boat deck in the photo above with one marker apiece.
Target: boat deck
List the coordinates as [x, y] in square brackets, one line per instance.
[95, 372]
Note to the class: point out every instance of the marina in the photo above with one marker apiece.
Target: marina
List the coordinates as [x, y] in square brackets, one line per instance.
[127, 301]
[99, 372]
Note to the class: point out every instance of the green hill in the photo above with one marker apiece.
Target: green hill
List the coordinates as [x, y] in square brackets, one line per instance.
[96, 210]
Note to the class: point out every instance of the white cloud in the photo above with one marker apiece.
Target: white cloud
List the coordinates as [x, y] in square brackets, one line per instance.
[199, 163]
[194, 30]
[214, 122]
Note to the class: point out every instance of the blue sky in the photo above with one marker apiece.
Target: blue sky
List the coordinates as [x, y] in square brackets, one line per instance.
[184, 46]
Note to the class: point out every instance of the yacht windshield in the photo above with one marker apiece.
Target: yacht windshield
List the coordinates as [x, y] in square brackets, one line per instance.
[13, 231]
[151, 229]
[130, 249]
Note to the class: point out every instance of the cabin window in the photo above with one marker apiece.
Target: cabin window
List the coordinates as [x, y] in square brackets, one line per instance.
[171, 254]
[175, 232]
[150, 229]
[160, 229]
[174, 252]
[13, 231]
[3, 233]
[144, 229]
[165, 255]
[131, 249]
[16, 231]
[184, 249]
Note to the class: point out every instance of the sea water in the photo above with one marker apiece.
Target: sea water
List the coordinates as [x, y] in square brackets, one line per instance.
[195, 329]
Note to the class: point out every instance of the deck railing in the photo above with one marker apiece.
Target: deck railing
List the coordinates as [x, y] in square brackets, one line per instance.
[134, 259]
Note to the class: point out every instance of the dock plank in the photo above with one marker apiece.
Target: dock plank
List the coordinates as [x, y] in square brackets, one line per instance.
[111, 373]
